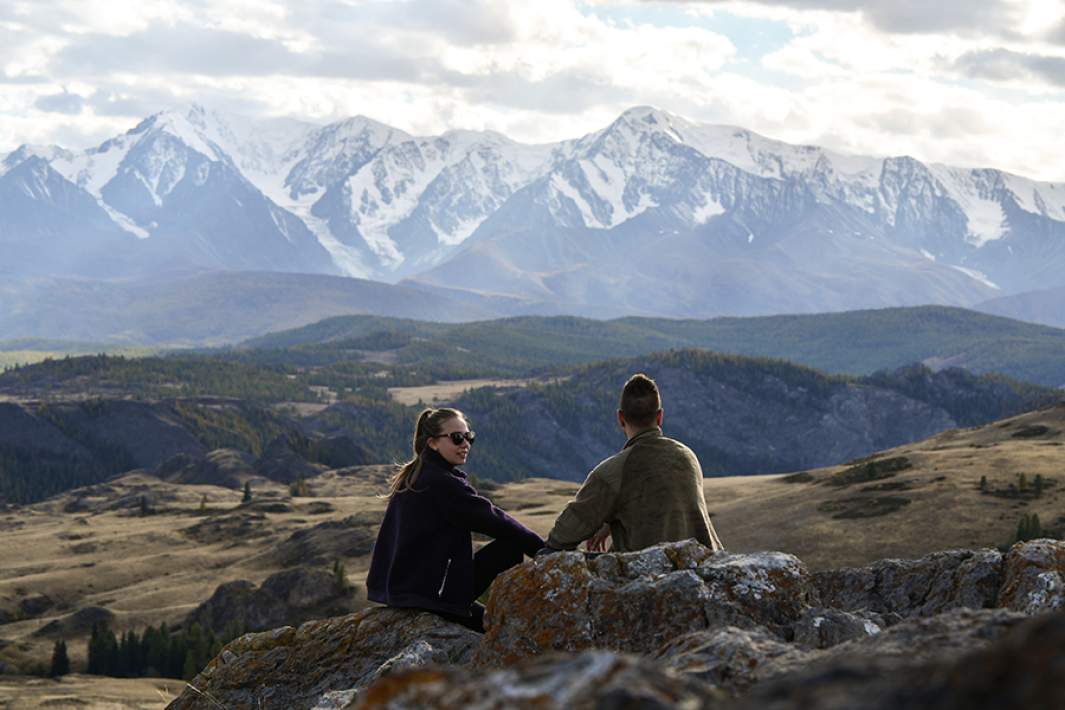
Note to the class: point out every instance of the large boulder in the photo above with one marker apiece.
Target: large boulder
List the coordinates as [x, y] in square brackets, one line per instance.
[636, 601]
[324, 663]
[288, 597]
[729, 658]
[592, 679]
[824, 628]
[921, 587]
[1035, 577]
[961, 659]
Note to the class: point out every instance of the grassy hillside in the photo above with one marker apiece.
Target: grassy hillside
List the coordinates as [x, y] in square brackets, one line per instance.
[854, 342]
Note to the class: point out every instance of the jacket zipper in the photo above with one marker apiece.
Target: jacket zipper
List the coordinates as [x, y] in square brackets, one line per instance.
[440, 592]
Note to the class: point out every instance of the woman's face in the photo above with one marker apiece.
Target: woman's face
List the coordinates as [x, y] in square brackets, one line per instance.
[454, 454]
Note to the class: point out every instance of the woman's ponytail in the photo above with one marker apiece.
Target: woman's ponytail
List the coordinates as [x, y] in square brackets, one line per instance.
[430, 423]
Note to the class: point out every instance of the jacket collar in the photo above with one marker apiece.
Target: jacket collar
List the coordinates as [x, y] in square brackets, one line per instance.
[643, 434]
[433, 457]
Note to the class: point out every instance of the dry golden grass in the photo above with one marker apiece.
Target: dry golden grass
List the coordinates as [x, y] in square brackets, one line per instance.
[146, 570]
[946, 508]
[446, 391]
[87, 691]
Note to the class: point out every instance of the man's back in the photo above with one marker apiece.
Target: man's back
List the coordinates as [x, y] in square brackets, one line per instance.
[649, 492]
[661, 496]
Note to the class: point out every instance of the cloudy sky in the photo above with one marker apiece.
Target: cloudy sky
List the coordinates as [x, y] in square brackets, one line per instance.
[968, 82]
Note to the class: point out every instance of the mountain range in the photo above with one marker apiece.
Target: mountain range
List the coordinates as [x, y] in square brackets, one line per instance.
[652, 215]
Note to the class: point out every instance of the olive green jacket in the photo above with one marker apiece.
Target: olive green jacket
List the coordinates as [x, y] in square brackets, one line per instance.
[649, 492]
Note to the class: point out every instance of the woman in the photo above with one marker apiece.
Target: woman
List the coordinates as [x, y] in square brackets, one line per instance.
[423, 558]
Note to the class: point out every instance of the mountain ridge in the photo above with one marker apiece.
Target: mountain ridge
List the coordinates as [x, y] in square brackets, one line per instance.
[652, 215]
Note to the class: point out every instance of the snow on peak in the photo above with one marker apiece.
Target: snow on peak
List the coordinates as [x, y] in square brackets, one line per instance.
[977, 198]
[471, 174]
[24, 152]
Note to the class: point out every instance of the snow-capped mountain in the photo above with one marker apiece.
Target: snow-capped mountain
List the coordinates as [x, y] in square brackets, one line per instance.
[656, 215]
[652, 214]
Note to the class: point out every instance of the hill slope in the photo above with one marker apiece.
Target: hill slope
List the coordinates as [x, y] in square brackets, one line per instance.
[739, 415]
[853, 342]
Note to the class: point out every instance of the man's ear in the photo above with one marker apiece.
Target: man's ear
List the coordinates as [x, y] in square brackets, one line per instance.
[621, 419]
[658, 418]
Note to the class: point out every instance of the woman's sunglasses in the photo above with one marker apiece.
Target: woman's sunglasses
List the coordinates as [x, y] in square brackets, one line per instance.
[457, 437]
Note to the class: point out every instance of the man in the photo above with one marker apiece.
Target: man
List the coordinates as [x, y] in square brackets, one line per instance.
[649, 492]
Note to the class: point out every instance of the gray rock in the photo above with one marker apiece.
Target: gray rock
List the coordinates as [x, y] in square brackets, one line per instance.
[823, 628]
[1035, 577]
[959, 660]
[635, 602]
[592, 679]
[288, 597]
[921, 587]
[729, 658]
[323, 663]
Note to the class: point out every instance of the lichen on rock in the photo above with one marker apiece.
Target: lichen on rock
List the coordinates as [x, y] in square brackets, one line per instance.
[636, 601]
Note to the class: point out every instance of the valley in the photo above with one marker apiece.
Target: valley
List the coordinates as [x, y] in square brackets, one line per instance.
[93, 549]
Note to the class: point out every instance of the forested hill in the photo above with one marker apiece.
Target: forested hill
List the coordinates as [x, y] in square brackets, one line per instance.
[853, 342]
[740, 415]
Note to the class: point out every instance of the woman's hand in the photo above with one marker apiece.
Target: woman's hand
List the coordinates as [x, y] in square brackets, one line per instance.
[597, 542]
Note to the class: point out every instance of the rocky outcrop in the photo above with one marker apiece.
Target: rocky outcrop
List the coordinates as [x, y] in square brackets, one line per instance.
[592, 679]
[1035, 577]
[922, 587]
[222, 467]
[676, 625]
[824, 628]
[636, 601]
[924, 664]
[288, 597]
[729, 658]
[77, 623]
[324, 663]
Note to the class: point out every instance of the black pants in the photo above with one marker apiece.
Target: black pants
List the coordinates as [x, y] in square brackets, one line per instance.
[488, 563]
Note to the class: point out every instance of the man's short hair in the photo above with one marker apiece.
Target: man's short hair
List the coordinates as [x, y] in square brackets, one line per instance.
[640, 402]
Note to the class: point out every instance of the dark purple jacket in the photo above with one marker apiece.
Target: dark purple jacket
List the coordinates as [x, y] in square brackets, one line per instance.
[423, 556]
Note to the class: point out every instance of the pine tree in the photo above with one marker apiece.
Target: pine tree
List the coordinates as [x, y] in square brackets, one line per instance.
[340, 576]
[247, 492]
[1022, 482]
[298, 488]
[203, 503]
[145, 510]
[1038, 485]
[983, 484]
[94, 652]
[60, 660]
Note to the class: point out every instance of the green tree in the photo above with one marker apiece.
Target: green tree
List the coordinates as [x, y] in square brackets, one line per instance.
[1022, 482]
[340, 576]
[298, 488]
[60, 660]
[247, 492]
[1037, 485]
[1028, 528]
[203, 504]
[983, 484]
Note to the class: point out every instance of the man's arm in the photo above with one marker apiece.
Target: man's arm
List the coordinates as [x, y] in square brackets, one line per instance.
[594, 505]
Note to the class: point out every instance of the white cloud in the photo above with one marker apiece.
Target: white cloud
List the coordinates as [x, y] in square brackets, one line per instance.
[977, 83]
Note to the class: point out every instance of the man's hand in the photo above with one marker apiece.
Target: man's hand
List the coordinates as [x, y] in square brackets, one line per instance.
[597, 542]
